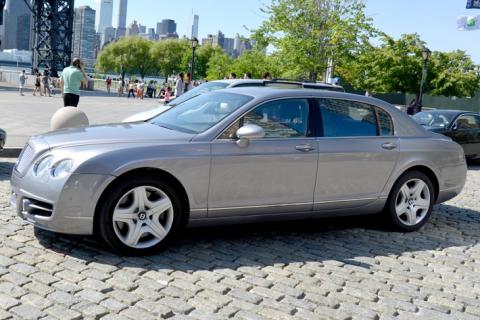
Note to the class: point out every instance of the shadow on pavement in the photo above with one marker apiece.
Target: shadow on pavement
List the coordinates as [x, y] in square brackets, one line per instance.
[341, 240]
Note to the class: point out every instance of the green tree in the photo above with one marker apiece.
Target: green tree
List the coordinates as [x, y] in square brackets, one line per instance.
[454, 74]
[257, 63]
[219, 66]
[169, 56]
[203, 54]
[311, 33]
[127, 55]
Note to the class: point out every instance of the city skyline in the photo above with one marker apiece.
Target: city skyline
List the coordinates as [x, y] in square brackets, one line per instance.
[434, 21]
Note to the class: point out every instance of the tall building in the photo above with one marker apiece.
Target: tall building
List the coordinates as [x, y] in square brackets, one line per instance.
[84, 35]
[142, 28]
[122, 19]
[108, 36]
[23, 31]
[105, 16]
[167, 29]
[195, 26]
[133, 29]
[14, 10]
[228, 46]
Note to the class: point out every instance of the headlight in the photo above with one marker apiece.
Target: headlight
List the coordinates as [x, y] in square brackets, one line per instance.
[42, 165]
[62, 168]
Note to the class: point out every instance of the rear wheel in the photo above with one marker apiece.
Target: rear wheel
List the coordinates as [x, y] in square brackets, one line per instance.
[411, 201]
[139, 217]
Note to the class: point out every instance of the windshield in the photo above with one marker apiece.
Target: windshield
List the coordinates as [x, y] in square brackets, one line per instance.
[203, 88]
[201, 112]
[433, 119]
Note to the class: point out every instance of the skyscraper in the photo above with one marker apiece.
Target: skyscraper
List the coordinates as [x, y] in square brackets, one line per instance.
[195, 26]
[23, 31]
[105, 17]
[84, 35]
[122, 18]
[167, 29]
[13, 10]
[133, 29]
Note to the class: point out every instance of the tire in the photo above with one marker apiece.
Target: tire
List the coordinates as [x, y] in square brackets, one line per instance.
[139, 216]
[409, 204]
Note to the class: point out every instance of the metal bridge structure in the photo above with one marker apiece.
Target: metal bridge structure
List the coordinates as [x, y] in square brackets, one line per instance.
[52, 34]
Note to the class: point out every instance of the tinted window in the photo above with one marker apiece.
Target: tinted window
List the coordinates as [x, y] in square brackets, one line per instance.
[385, 122]
[344, 118]
[434, 119]
[468, 122]
[280, 119]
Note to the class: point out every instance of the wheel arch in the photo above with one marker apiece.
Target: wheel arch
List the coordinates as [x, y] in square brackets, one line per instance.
[428, 172]
[151, 172]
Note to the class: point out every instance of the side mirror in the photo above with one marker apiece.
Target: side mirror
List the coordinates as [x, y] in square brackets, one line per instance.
[248, 132]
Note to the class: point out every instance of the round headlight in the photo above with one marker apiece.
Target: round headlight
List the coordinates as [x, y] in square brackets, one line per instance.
[42, 166]
[62, 168]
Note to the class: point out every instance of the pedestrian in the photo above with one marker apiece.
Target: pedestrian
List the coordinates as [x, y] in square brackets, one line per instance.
[411, 107]
[120, 87]
[232, 76]
[109, 84]
[168, 95]
[267, 76]
[188, 83]
[38, 84]
[180, 86]
[131, 90]
[140, 88]
[21, 82]
[70, 82]
[247, 75]
[46, 83]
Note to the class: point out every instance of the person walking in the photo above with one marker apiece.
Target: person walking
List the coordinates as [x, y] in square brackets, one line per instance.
[70, 82]
[188, 83]
[46, 83]
[109, 84]
[131, 90]
[22, 78]
[180, 86]
[120, 87]
[38, 84]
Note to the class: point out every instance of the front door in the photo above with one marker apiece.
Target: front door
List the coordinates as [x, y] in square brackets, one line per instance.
[275, 174]
[357, 154]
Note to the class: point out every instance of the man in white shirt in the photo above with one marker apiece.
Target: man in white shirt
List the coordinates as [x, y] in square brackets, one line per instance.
[21, 82]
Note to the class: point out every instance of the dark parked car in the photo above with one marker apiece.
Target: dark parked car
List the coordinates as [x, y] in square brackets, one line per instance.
[3, 137]
[462, 126]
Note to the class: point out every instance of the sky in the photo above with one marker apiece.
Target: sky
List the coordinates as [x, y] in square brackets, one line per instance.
[433, 20]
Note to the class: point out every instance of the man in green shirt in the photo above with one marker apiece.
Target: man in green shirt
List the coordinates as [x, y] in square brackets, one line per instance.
[70, 82]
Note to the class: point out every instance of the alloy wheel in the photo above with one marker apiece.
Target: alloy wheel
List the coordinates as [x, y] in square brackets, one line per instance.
[413, 202]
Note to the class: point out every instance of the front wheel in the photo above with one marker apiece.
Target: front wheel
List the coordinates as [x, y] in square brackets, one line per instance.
[139, 217]
[411, 201]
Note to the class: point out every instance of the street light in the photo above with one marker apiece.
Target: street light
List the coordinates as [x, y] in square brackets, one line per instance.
[426, 54]
[194, 42]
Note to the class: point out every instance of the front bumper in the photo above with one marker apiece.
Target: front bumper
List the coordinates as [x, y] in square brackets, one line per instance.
[64, 206]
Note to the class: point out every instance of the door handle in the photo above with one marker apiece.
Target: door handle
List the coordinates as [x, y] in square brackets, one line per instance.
[389, 146]
[304, 148]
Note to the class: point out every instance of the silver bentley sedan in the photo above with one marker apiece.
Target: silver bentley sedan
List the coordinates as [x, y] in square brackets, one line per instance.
[234, 156]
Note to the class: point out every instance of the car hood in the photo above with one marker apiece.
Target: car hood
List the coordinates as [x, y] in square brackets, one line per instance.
[112, 134]
[146, 115]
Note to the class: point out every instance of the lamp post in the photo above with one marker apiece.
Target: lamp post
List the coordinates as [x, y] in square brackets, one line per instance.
[194, 42]
[426, 54]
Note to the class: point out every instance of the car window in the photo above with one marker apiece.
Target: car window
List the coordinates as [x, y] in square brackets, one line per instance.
[468, 122]
[202, 112]
[287, 118]
[433, 119]
[201, 89]
[344, 118]
[385, 122]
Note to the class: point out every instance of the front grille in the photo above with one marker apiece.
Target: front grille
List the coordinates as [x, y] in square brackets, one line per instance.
[37, 208]
[25, 158]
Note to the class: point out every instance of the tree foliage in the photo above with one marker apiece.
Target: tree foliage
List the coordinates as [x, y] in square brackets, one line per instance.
[396, 66]
[168, 56]
[127, 55]
[219, 66]
[308, 33]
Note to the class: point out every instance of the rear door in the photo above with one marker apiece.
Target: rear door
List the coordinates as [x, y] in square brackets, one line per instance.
[467, 133]
[357, 153]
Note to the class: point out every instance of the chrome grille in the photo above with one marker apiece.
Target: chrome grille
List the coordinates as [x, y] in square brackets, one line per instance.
[25, 158]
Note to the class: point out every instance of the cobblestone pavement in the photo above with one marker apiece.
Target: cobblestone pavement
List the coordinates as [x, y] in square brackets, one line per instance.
[349, 268]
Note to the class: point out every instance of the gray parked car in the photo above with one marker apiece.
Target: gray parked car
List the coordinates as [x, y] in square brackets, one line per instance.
[224, 84]
[3, 138]
[234, 156]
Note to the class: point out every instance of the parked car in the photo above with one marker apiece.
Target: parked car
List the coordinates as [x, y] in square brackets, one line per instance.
[234, 156]
[222, 84]
[3, 138]
[462, 126]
